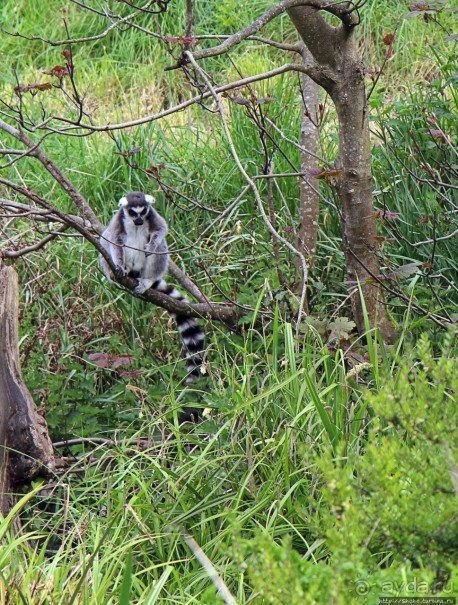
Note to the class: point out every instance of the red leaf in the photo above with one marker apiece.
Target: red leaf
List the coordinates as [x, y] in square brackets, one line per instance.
[388, 39]
[239, 100]
[105, 360]
[265, 100]
[121, 360]
[100, 359]
[418, 6]
[155, 170]
[439, 134]
[130, 374]
[58, 71]
[381, 239]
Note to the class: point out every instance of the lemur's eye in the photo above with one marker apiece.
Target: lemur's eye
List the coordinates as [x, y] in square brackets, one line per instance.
[143, 211]
[132, 213]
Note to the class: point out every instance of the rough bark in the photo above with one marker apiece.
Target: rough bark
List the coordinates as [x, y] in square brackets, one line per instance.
[25, 447]
[334, 49]
[355, 192]
[309, 208]
[5, 484]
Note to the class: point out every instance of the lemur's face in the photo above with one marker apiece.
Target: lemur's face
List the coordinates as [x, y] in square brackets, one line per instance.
[136, 213]
[136, 206]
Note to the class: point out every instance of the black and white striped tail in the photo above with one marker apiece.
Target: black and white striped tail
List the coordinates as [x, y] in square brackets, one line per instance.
[191, 333]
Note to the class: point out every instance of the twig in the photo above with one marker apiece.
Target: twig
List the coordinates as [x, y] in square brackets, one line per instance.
[56, 173]
[80, 440]
[86, 38]
[41, 215]
[209, 568]
[33, 247]
[437, 319]
[250, 181]
[190, 19]
[312, 71]
[271, 207]
[297, 145]
[296, 48]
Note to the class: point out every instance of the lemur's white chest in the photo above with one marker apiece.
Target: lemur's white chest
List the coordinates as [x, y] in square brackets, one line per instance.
[136, 239]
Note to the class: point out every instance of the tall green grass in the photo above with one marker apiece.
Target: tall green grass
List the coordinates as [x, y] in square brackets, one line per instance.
[267, 477]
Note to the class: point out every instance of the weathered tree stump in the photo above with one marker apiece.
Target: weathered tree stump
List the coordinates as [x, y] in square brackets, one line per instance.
[26, 450]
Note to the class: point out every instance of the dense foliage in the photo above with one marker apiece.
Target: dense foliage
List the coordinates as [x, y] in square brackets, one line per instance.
[325, 469]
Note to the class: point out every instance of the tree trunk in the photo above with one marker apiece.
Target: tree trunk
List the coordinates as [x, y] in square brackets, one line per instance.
[25, 447]
[355, 192]
[5, 484]
[335, 52]
[309, 200]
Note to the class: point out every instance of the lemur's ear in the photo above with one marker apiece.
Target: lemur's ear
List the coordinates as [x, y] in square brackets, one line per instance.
[150, 199]
[123, 202]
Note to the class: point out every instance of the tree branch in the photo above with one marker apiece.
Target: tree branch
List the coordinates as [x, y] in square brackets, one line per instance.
[33, 247]
[340, 10]
[294, 48]
[319, 37]
[56, 173]
[315, 72]
[43, 216]
[82, 204]
[113, 26]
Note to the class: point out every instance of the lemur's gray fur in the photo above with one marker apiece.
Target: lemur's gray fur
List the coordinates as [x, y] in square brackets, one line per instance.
[135, 240]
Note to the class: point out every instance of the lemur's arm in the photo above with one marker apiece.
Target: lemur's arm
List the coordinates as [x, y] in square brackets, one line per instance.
[158, 232]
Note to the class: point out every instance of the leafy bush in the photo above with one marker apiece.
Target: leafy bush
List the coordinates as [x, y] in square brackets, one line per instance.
[387, 516]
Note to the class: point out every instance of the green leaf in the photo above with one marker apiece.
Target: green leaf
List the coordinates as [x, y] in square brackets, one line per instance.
[124, 594]
[341, 328]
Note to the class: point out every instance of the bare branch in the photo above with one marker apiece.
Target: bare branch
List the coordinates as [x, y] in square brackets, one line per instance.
[187, 283]
[271, 208]
[33, 247]
[80, 440]
[320, 38]
[190, 18]
[209, 568]
[316, 73]
[433, 240]
[43, 216]
[82, 204]
[296, 48]
[69, 40]
[340, 10]
[11, 152]
[297, 145]
[56, 173]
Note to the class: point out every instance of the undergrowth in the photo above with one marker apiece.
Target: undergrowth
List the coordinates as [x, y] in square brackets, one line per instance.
[284, 513]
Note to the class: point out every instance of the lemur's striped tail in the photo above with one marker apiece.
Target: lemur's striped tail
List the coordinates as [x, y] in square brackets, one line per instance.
[191, 333]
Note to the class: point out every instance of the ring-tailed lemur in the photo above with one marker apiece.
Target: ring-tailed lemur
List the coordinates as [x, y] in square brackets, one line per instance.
[135, 240]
